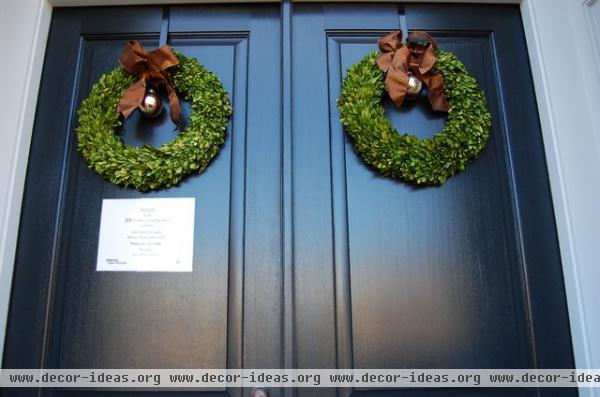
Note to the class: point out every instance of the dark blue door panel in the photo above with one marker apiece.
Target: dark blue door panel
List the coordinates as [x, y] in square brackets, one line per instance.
[153, 320]
[465, 275]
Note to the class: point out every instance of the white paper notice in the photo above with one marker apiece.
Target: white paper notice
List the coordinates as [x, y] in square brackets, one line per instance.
[146, 235]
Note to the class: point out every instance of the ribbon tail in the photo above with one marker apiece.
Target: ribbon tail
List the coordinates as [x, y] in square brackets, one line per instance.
[174, 106]
[132, 97]
[435, 86]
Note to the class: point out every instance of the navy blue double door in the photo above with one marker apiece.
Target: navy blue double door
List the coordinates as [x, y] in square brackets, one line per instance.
[303, 256]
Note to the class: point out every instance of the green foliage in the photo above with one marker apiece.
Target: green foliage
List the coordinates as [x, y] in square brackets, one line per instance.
[403, 156]
[148, 168]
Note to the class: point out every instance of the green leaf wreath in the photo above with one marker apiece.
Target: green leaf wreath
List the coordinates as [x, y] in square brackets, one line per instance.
[404, 156]
[148, 168]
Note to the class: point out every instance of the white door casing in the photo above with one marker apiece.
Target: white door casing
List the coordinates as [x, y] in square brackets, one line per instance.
[563, 39]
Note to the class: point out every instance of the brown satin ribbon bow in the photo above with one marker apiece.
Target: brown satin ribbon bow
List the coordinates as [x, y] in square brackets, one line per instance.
[417, 56]
[148, 66]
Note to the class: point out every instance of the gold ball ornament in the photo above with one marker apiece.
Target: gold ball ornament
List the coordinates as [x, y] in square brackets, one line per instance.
[414, 87]
[151, 105]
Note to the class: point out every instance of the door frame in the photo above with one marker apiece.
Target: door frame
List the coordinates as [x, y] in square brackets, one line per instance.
[567, 92]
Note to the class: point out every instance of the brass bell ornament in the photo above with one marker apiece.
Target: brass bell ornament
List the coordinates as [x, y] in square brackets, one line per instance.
[151, 105]
[414, 87]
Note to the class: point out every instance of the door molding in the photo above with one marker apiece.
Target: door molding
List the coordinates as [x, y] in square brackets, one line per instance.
[567, 92]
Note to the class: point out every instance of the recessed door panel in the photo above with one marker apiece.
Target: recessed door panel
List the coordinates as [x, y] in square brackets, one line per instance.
[164, 306]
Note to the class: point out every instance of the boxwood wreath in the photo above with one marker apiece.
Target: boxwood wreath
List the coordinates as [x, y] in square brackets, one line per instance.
[405, 157]
[148, 168]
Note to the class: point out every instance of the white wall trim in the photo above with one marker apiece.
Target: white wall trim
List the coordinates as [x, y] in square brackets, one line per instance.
[590, 23]
[568, 90]
[591, 12]
[550, 129]
[563, 49]
[24, 26]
